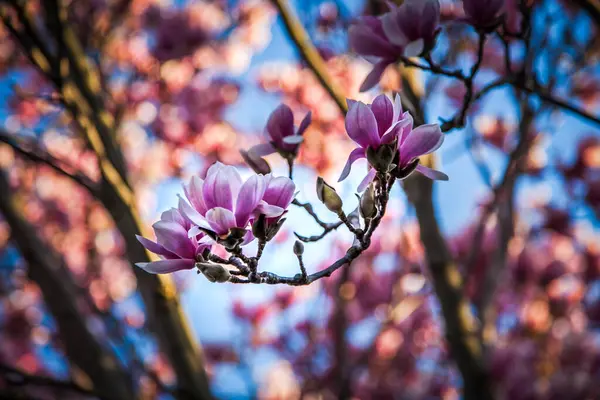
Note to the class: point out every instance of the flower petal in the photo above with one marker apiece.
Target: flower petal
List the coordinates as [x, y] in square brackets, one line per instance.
[423, 140]
[155, 247]
[190, 213]
[414, 48]
[392, 29]
[193, 192]
[364, 41]
[397, 107]
[295, 139]
[373, 77]
[367, 179]
[304, 124]
[250, 195]
[221, 188]
[356, 154]
[221, 220]
[280, 123]
[280, 192]
[432, 173]
[268, 210]
[166, 266]
[361, 125]
[174, 238]
[261, 150]
[383, 110]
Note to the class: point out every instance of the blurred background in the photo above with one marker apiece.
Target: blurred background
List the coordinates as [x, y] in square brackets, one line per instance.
[486, 286]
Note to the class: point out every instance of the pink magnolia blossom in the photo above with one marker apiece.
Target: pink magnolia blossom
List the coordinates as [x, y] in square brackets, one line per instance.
[406, 30]
[178, 250]
[283, 135]
[224, 205]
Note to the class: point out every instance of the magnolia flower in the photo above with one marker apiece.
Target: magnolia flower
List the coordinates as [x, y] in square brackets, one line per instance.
[403, 31]
[284, 137]
[413, 25]
[173, 244]
[367, 38]
[223, 205]
[373, 125]
[483, 13]
[279, 193]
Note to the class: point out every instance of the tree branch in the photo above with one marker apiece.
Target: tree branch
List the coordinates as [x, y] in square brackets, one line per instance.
[309, 53]
[16, 377]
[32, 152]
[59, 291]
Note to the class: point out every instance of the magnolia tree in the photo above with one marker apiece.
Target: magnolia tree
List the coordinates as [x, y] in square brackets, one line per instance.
[107, 100]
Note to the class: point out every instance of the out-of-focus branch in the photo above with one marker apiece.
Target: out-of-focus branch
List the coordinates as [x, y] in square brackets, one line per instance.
[460, 324]
[78, 82]
[17, 378]
[32, 152]
[48, 271]
[309, 53]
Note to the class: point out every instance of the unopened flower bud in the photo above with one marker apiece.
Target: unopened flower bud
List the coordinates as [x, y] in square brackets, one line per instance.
[298, 248]
[258, 164]
[381, 158]
[329, 196]
[367, 203]
[214, 272]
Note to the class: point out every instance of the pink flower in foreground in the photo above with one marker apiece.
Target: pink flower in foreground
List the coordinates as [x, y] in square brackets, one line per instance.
[178, 250]
[223, 205]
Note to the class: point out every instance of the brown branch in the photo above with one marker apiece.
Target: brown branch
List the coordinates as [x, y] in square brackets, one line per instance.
[32, 152]
[49, 272]
[309, 53]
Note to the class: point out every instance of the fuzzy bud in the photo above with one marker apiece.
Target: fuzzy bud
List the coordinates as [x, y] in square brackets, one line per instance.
[214, 272]
[298, 248]
[329, 196]
[367, 203]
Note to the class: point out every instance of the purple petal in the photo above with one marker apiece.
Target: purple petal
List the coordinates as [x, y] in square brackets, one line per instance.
[304, 124]
[250, 195]
[354, 155]
[383, 110]
[432, 173]
[423, 140]
[395, 130]
[350, 103]
[367, 179]
[173, 215]
[393, 31]
[221, 187]
[280, 192]
[190, 213]
[374, 76]
[261, 150]
[295, 139]
[166, 266]
[280, 123]
[221, 220]
[174, 238]
[193, 192]
[361, 126]
[248, 237]
[414, 48]
[155, 247]
[397, 107]
[364, 41]
[268, 210]
[406, 128]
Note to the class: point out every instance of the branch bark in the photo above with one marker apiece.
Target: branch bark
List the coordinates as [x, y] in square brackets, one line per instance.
[45, 268]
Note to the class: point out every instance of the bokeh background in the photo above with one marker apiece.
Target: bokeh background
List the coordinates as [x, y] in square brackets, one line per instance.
[107, 106]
